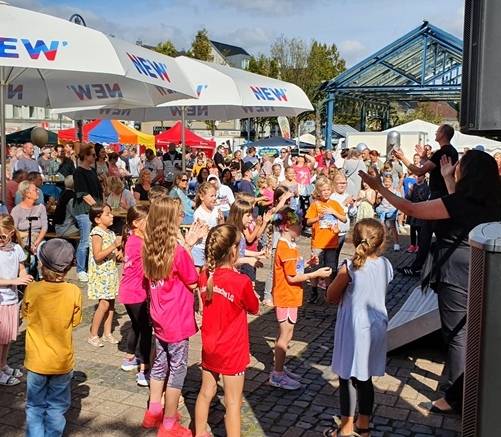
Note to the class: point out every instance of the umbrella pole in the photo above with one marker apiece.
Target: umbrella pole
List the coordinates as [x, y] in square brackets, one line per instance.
[183, 137]
[3, 150]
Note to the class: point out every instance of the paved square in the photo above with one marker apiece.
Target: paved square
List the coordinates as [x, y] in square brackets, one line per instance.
[107, 402]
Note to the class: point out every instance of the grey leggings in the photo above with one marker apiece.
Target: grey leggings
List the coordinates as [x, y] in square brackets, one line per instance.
[171, 362]
[352, 389]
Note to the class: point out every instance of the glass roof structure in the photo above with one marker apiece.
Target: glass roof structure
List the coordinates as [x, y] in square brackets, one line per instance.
[423, 65]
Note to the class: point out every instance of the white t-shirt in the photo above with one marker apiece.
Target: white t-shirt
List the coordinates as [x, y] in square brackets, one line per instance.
[281, 163]
[134, 166]
[155, 167]
[340, 198]
[9, 269]
[225, 198]
[210, 218]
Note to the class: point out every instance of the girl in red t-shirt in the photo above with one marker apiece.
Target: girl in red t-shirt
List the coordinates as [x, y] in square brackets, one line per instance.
[227, 298]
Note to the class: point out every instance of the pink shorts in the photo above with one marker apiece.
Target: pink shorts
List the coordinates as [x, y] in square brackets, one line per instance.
[286, 314]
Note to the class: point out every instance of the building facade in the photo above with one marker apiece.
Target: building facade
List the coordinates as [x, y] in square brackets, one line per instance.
[24, 117]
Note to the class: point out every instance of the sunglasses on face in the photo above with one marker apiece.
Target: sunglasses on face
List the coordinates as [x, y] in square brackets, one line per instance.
[184, 180]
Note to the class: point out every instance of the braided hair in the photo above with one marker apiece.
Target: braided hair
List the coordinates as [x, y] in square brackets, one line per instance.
[368, 239]
[218, 251]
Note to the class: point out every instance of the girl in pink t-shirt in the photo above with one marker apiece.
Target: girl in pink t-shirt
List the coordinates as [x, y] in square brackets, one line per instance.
[171, 277]
[303, 169]
[132, 293]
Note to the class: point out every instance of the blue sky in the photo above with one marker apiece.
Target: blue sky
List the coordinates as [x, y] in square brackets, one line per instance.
[357, 27]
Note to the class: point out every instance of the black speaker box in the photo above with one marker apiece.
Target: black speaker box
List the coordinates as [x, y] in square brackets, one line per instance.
[481, 79]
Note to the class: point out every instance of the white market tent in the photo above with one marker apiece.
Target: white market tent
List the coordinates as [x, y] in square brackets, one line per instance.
[460, 141]
[309, 139]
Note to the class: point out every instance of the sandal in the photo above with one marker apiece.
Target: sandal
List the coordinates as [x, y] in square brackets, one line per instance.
[329, 432]
[16, 373]
[361, 431]
[8, 379]
[437, 410]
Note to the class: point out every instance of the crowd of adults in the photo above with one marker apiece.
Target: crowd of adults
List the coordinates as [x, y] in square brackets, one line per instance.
[53, 189]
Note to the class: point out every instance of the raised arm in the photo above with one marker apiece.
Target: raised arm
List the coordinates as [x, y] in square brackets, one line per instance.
[427, 166]
[448, 169]
[429, 210]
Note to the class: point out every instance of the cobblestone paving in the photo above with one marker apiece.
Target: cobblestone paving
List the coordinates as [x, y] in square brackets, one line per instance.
[107, 402]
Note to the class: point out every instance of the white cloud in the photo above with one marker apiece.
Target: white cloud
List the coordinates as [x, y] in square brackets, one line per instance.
[272, 7]
[148, 33]
[352, 51]
[254, 40]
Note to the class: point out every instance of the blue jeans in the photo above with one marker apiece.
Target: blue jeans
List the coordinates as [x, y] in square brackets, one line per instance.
[84, 225]
[48, 397]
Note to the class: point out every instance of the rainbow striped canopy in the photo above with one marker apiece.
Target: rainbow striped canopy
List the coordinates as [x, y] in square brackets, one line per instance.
[108, 131]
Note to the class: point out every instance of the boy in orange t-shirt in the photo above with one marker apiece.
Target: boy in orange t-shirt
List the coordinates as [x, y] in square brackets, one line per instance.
[287, 292]
[323, 216]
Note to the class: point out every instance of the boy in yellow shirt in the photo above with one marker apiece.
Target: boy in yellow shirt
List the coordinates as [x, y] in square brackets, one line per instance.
[51, 308]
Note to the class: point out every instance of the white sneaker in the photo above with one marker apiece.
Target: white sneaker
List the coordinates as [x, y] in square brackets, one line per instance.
[396, 248]
[83, 277]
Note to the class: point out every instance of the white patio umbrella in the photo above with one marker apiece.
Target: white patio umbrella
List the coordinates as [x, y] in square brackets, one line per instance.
[224, 93]
[50, 62]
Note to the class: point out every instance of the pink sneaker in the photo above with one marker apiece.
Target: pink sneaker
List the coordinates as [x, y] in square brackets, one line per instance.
[152, 420]
[411, 249]
[176, 431]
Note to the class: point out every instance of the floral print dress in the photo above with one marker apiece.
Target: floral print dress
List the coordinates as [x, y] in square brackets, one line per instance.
[103, 276]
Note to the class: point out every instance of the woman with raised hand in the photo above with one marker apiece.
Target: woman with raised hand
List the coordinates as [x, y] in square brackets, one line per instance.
[474, 188]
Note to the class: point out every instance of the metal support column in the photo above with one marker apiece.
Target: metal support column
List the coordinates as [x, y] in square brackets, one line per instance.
[329, 120]
[363, 116]
[3, 140]
[183, 137]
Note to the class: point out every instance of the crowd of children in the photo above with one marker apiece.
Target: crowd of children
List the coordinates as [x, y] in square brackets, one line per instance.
[167, 275]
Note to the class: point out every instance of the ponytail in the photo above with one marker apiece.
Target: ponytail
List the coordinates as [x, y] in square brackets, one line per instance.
[134, 213]
[368, 238]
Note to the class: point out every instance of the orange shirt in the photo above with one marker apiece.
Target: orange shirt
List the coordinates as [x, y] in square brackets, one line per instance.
[287, 258]
[323, 236]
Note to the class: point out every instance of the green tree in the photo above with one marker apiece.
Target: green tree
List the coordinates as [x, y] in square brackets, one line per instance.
[307, 65]
[324, 63]
[264, 65]
[424, 111]
[201, 47]
[166, 48]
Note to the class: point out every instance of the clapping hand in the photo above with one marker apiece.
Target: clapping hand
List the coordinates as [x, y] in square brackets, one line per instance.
[349, 201]
[220, 218]
[420, 150]
[447, 169]
[268, 215]
[397, 153]
[373, 181]
[198, 230]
